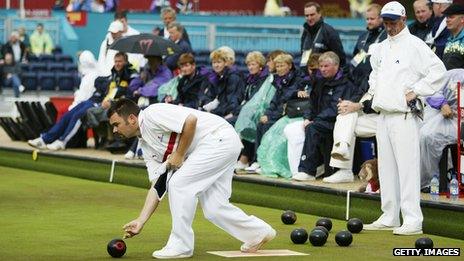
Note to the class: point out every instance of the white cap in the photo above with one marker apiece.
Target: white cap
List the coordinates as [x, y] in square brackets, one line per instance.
[115, 26]
[393, 10]
[442, 1]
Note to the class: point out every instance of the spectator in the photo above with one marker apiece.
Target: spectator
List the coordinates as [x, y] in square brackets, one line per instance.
[88, 69]
[440, 34]
[110, 89]
[15, 47]
[24, 38]
[318, 36]
[176, 31]
[184, 6]
[403, 68]
[423, 24]
[152, 76]
[10, 73]
[168, 15]
[41, 42]
[453, 56]
[121, 16]
[158, 5]
[106, 55]
[329, 87]
[97, 6]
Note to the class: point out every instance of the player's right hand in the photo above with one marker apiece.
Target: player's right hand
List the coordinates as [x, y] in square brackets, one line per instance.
[132, 228]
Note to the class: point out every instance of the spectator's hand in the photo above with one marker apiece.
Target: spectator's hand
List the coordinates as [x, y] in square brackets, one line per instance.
[175, 161]
[446, 111]
[228, 116]
[8, 75]
[345, 107]
[306, 123]
[410, 96]
[136, 93]
[132, 228]
[263, 119]
[211, 105]
[302, 94]
[143, 76]
[168, 99]
[106, 104]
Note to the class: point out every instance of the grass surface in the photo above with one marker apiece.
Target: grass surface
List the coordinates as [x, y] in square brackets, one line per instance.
[50, 217]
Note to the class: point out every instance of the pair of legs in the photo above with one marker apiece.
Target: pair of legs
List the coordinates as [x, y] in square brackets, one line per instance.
[206, 176]
[399, 173]
[15, 83]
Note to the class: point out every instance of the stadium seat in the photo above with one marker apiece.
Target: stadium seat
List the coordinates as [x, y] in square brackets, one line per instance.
[47, 80]
[202, 60]
[70, 67]
[32, 58]
[63, 58]
[46, 58]
[29, 80]
[66, 81]
[38, 66]
[25, 67]
[54, 67]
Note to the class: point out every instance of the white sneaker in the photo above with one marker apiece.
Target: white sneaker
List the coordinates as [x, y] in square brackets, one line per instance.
[378, 226]
[240, 165]
[407, 230]
[129, 155]
[253, 167]
[302, 176]
[37, 143]
[167, 253]
[22, 88]
[341, 152]
[341, 176]
[56, 145]
[253, 247]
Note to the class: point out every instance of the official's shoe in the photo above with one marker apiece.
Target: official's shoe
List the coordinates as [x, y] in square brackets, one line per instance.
[407, 230]
[56, 145]
[378, 226]
[37, 143]
[341, 176]
[253, 247]
[303, 176]
[341, 152]
[167, 253]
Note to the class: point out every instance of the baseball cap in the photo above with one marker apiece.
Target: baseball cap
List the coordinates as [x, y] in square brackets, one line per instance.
[442, 1]
[454, 9]
[116, 26]
[393, 10]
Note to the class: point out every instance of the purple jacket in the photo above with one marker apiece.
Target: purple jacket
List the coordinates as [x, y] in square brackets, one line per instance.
[150, 88]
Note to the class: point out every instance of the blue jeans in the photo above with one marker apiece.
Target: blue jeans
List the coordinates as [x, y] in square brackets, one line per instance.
[14, 82]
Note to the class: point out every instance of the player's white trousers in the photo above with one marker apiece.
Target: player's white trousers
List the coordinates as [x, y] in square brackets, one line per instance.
[347, 128]
[206, 175]
[399, 169]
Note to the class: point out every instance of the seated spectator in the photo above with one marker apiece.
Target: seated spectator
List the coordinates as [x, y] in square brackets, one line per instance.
[41, 42]
[110, 89]
[168, 15]
[319, 120]
[175, 34]
[423, 24]
[287, 81]
[223, 97]
[15, 47]
[184, 6]
[88, 69]
[10, 73]
[453, 56]
[191, 84]
[97, 6]
[152, 76]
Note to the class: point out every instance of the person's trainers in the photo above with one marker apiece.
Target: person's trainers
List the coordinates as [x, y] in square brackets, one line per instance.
[302, 176]
[37, 143]
[129, 155]
[240, 165]
[407, 230]
[167, 253]
[341, 152]
[378, 226]
[56, 145]
[341, 176]
[253, 247]
[22, 88]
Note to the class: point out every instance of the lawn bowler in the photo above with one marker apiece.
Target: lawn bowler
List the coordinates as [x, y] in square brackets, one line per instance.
[202, 149]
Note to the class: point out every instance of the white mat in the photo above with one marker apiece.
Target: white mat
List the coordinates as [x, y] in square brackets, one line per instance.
[275, 252]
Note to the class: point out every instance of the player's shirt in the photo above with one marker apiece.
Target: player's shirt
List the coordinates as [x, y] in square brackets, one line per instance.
[160, 128]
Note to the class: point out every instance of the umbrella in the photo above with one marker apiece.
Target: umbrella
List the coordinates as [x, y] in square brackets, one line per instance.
[146, 44]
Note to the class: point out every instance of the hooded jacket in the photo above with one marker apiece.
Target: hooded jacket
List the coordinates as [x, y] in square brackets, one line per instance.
[89, 72]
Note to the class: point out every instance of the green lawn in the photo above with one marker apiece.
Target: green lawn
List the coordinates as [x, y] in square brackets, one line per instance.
[52, 217]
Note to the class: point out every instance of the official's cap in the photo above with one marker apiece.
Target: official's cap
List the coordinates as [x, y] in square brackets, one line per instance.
[392, 11]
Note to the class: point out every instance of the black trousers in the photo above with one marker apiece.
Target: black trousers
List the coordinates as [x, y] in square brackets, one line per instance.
[317, 146]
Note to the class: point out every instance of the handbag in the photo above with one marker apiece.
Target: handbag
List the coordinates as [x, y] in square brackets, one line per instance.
[296, 107]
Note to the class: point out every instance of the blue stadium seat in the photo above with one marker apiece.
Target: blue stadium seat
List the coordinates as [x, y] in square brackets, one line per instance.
[202, 60]
[63, 58]
[202, 53]
[54, 67]
[70, 67]
[46, 58]
[38, 66]
[29, 80]
[32, 58]
[25, 67]
[66, 81]
[47, 80]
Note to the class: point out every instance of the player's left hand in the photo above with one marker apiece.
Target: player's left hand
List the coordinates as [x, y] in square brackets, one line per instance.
[175, 160]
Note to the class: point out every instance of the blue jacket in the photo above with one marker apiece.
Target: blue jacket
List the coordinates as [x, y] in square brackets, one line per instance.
[453, 56]
[171, 61]
[441, 40]
[190, 89]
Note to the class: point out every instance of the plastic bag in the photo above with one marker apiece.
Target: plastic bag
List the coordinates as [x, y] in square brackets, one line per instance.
[250, 113]
[169, 89]
[272, 153]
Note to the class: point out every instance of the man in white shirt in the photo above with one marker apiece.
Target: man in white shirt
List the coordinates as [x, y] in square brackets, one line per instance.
[202, 149]
[403, 68]
[106, 55]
